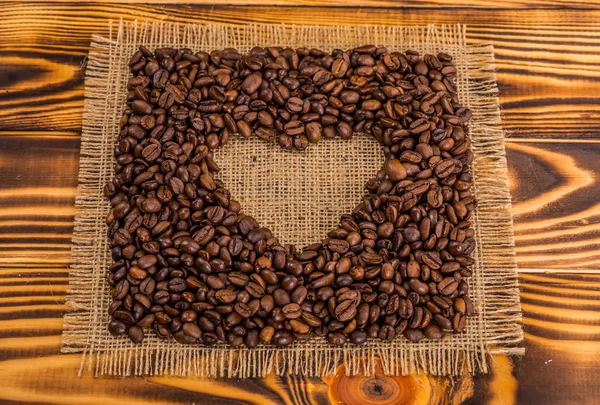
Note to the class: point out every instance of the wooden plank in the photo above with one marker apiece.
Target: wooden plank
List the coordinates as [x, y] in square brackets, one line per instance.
[562, 343]
[562, 338]
[38, 183]
[549, 80]
[547, 60]
[562, 334]
[486, 4]
[555, 203]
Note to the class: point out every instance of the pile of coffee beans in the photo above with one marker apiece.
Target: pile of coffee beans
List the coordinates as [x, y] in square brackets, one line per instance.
[189, 264]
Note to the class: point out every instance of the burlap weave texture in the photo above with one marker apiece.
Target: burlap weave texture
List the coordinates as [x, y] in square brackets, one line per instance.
[299, 196]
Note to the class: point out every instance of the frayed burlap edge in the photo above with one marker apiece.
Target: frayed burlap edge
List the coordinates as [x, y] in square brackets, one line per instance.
[494, 285]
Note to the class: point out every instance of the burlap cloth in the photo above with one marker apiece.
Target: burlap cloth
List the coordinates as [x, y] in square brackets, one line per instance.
[299, 196]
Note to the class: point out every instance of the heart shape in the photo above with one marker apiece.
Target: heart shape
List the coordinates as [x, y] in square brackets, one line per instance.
[299, 196]
[190, 264]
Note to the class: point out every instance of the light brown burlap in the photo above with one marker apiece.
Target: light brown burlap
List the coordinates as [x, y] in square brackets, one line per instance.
[300, 196]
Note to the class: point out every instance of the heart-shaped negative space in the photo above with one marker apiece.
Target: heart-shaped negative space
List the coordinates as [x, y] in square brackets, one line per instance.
[299, 196]
[192, 264]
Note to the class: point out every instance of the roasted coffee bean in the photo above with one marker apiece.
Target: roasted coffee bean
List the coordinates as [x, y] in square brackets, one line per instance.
[266, 334]
[192, 330]
[215, 282]
[459, 322]
[395, 170]
[313, 132]
[243, 310]
[431, 259]
[344, 130]
[226, 296]
[136, 334]
[238, 279]
[433, 331]
[358, 337]
[336, 338]
[117, 327]
[299, 295]
[447, 286]
[292, 311]
[289, 283]
[255, 290]
[190, 265]
[339, 68]
[387, 333]
[413, 335]
[252, 82]
[345, 310]
[299, 326]
[281, 297]
[121, 290]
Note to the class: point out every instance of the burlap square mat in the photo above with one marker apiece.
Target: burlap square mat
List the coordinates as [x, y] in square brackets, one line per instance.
[299, 196]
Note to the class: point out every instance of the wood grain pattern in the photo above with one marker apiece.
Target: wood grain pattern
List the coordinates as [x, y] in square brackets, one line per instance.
[547, 59]
[548, 72]
[555, 204]
[562, 338]
[561, 342]
[376, 3]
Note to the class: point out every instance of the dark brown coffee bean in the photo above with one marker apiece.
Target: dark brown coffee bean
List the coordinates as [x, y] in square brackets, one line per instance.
[433, 331]
[281, 297]
[299, 295]
[313, 132]
[186, 258]
[336, 338]
[288, 283]
[345, 311]
[413, 335]
[243, 310]
[450, 267]
[294, 104]
[442, 321]
[358, 337]
[121, 290]
[418, 286]
[418, 126]
[226, 296]
[192, 330]
[459, 322]
[117, 327]
[266, 334]
[291, 311]
[447, 286]
[255, 290]
[445, 168]
[349, 97]
[432, 260]
[387, 271]
[215, 282]
[207, 182]
[283, 338]
[371, 105]
[238, 279]
[293, 128]
[136, 334]
[252, 83]
[395, 170]
[299, 326]
[386, 333]
[417, 318]
[339, 68]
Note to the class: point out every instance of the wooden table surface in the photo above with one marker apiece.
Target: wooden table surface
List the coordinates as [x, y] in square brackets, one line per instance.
[548, 61]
